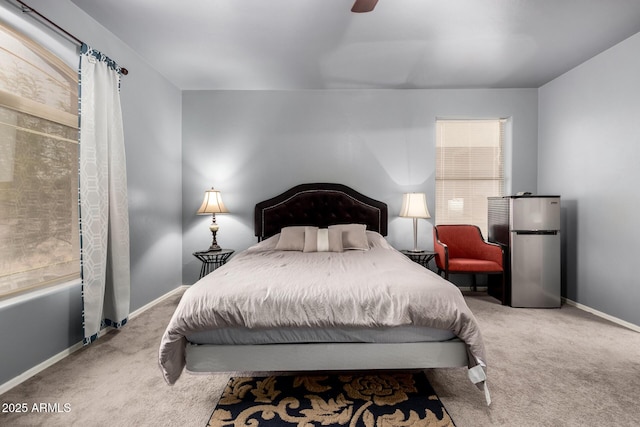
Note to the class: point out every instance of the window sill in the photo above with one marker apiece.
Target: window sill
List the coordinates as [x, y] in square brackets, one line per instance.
[11, 300]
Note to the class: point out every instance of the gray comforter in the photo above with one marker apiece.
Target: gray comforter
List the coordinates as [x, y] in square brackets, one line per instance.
[265, 288]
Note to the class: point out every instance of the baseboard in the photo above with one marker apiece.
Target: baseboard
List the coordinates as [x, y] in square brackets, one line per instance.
[156, 301]
[598, 313]
[58, 357]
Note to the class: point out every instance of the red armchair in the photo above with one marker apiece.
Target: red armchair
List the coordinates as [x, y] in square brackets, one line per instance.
[462, 249]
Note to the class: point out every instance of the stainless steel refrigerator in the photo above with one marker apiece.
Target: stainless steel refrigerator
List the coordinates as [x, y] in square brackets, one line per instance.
[529, 229]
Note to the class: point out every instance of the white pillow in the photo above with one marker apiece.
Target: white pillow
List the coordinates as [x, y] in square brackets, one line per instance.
[376, 240]
[322, 240]
[354, 236]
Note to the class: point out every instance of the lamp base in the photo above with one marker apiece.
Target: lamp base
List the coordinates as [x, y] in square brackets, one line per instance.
[214, 243]
[416, 251]
[214, 230]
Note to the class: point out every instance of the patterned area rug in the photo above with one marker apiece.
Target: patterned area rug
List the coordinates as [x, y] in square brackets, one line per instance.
[355, 400]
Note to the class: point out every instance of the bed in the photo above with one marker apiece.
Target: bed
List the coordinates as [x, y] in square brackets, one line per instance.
[337, 298]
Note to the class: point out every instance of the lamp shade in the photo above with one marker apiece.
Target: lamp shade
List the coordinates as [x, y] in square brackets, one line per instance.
[414, 205]
[212, 203]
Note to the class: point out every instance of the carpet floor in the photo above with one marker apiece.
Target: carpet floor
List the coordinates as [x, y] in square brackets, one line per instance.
[547, 367]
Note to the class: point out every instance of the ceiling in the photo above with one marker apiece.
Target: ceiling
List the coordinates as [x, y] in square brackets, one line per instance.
[402, 44]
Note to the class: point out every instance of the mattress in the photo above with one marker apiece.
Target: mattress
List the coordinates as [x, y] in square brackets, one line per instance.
[245, 336]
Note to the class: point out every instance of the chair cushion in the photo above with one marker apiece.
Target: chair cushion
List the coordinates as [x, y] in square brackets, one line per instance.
[473, 265]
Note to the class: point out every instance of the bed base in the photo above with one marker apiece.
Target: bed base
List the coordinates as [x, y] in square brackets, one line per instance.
[325, 356]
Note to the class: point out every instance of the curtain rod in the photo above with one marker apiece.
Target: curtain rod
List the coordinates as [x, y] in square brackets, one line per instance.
[28, 9]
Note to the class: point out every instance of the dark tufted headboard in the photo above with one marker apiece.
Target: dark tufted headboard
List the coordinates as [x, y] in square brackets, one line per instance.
[319, 205]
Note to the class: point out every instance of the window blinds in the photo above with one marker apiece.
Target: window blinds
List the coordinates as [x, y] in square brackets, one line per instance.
[39, 242]
[469, 168]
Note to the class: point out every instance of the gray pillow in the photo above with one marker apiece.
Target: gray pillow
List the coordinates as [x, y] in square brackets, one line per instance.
[354, 236]
[322, 240]
[291, 239]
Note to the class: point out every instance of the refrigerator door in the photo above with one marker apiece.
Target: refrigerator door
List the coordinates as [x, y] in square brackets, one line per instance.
[535, 269]
[535, 213]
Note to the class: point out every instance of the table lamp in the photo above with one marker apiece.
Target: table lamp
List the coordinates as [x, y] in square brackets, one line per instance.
[212, 204]
[414, 205]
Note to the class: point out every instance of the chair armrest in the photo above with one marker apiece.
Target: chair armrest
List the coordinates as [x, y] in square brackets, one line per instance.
[442, 252]
[493, 252]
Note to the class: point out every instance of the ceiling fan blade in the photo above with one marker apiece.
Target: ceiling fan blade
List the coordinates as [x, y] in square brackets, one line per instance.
[361, 6]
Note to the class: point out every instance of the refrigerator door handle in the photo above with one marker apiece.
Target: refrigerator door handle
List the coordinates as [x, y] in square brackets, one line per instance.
[537, 232]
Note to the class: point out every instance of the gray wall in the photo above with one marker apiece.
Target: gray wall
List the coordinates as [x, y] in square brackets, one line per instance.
[252, 145]
[589, 152]
[36, 329]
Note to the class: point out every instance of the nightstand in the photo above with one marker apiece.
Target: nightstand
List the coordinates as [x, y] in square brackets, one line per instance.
[212, 260]
[422, 257]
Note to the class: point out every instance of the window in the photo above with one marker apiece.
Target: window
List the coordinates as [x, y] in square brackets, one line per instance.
[469, 168]
[39, 243]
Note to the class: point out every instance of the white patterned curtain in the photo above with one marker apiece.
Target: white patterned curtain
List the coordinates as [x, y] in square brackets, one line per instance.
[104, 217]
